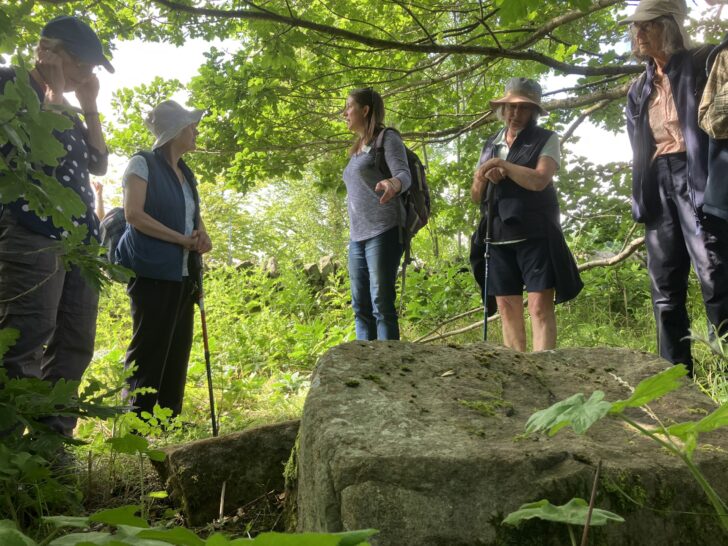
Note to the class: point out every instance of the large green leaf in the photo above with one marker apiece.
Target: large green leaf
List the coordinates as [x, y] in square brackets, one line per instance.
[178, 536]
[129, 443]
[573, 512]
[350, 538]
[654, 387]
[124, 515]
[689, 432]
[10, 536]
[76, 539]
[67, 521]
[575, 411]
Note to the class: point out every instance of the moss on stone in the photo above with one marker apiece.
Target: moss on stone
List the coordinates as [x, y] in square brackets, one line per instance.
[486, 407]
[375, 379]
[290, 476]
[627, 491]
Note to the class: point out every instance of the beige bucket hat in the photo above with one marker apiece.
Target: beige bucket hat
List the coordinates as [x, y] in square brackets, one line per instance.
[167, 120]
[521, 90]
[648, 10]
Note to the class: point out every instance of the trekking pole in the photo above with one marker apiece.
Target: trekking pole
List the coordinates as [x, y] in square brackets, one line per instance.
[208, 367]
[488, 236]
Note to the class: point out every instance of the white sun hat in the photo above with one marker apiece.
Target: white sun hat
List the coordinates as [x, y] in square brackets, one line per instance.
[167, 120]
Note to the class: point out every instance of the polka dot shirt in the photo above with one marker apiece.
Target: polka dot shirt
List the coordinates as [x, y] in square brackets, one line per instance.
[72, 172]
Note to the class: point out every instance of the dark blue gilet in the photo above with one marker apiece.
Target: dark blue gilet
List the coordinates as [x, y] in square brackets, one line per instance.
[148, 256]
[519, 213]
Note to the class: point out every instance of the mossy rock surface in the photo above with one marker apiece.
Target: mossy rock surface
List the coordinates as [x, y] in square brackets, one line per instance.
[250, 464]
[429, 448]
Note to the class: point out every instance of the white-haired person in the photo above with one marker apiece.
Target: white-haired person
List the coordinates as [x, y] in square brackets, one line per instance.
[54, 308]
[669, 176]
[162, 243]
[528, 250]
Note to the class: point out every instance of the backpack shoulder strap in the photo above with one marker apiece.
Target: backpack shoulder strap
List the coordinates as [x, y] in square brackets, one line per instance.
[378, 146]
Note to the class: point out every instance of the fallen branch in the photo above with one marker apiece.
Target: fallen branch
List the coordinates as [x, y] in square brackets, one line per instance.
[628, 250]
[626, 253]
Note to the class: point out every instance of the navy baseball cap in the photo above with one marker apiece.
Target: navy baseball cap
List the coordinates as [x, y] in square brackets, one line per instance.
[78, 39]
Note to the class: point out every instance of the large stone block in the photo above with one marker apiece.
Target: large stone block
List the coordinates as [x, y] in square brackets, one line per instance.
[250, 463]
[426, 443]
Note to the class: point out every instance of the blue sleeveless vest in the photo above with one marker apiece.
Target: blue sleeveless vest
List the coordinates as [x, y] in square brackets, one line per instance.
[148, 256]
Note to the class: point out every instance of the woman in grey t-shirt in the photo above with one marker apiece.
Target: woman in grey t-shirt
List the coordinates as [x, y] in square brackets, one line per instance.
[375, 214]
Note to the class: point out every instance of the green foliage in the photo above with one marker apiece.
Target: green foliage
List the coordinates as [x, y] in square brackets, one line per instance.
[132, 530]
[580, 416]
[127, 130]
[576, 411]
[28, 487]
[28, 131]
[651, 389]
[574, 512]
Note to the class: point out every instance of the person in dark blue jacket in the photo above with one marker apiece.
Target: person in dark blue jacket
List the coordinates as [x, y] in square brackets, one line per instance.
[162, 243]
[669, 174]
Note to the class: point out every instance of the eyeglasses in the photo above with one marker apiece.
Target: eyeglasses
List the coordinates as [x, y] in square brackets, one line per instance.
[519, 106]
[646, 26]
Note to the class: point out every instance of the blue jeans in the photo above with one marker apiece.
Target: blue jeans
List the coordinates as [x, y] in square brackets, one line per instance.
[373, 268]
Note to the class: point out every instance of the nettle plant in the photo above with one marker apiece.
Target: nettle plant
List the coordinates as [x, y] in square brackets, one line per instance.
[580, 413]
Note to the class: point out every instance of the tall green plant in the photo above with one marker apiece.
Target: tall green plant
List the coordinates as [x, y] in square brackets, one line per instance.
[680, 439]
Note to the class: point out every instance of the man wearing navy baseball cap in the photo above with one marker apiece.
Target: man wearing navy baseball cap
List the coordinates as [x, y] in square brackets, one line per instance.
[54, 309]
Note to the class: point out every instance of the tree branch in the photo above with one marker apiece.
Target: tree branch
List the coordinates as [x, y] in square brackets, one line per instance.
[567, 17]
[630, 249]
[427, 48]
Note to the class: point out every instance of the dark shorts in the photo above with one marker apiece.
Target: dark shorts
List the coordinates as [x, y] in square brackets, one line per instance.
[515, 266]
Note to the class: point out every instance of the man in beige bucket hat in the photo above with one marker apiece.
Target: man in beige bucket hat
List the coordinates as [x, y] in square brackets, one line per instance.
[651, 10]
[669, 176]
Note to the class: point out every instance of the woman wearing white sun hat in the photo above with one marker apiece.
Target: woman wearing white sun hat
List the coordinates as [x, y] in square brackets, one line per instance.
[162, 243]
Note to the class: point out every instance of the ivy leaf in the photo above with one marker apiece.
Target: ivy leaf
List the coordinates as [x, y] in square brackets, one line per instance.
[652, 388]
[575, 411]
[573, 512]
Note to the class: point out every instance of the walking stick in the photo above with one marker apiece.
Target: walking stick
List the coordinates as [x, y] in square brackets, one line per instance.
[208, 367]
[488, 236]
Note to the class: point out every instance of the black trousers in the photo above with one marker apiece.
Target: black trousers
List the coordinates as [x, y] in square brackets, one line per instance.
[162, 314]
[674, 240]
[54, 311]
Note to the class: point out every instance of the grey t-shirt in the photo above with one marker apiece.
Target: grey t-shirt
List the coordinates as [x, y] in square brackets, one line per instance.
[138, 166]
[367, 217]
